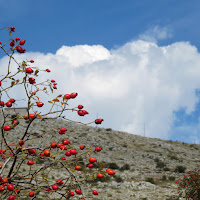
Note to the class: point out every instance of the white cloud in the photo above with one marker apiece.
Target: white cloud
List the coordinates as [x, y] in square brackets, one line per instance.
[156, 33]
[137, 82]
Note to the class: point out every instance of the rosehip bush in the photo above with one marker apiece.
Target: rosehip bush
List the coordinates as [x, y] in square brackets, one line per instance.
[189, 186]
[29, 167]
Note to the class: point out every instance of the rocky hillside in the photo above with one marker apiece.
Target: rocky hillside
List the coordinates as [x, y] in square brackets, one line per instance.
[146, 168]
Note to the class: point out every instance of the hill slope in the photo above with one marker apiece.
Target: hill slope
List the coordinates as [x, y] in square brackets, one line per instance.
[144, 166]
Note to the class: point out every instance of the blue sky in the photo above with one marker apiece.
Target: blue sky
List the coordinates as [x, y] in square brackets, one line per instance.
[47, 27]
[110, 23]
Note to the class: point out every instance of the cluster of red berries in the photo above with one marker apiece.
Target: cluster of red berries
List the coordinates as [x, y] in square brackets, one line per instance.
[54, 84]
[189, 186]
[10, 187]
[18, 48]
[16, 44]
[8, 103]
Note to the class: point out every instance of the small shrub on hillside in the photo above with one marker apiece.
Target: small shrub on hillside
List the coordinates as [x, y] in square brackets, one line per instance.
[112, 165]
[150, 180]
[125, 167]
[164, 178]
[180, 169]
[108, 129]
[171, 178]
[118, 179]
[173, 158]
[160, 164]
[166, 169]
[156, 160]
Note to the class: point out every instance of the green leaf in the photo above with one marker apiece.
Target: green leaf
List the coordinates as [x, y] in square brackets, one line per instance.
[36, 72]
[30, 105]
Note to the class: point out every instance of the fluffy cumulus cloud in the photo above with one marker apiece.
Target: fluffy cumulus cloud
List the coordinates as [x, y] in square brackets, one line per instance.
[135, 83]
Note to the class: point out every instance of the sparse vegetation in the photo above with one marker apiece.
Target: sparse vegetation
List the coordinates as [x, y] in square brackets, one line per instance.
[180, 169]
[125, 167]
[150, 180]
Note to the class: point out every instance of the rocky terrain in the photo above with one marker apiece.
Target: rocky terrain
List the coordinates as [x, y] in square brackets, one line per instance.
[146, 168]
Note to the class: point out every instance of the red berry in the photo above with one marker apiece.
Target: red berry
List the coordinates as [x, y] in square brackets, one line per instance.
[11, 197]
[67, 96]
[19, 49]
[2, 103]
[98, 121]
[63, 147]
[32, 61]
[95, 192]
[80, 113]
[31, 80]
[111, 172]
[66, 142]
[99, 175]
[42, 154]
[63, 158]
[54, 87]
[92, 160]
[15, 122]
[6, 128]
[2, 188]
[22, 42]
[31, 194]
[80, 106]
[53, 144]
[63, 129]
[59, 145]
[31, 116]
[68, 153]
[29, 70]
[71, 193]
[10, 187]
[59, 181]
[54, 187]
[30, 162]
[73, 151]
[25, 117]
[98, 149]
[17, 191]
[82, 147]
[90, 165]
[12, 100]
[108, 169]
[47, 153]
[78, 191]
[17, 39]
[85, 112]
[78, 168]
[47, 70]
[0, 43]
[40, 104]
[12, 28]
[53, 81]
[73, 95]
[32, 151]
[4, 180]
[9, 104]
[12, 43]
[0, 83]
